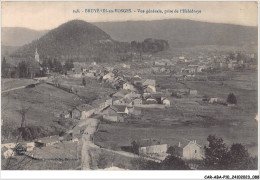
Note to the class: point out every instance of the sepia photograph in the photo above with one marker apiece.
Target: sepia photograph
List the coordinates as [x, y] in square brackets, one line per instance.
[129, 86]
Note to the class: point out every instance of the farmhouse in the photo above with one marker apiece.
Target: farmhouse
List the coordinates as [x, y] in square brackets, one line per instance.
[108, 76]
[137, 101]
[137, 80]
[193, 92]
[149, 89]
[30, 146]
[82, 111]
[190, 151]
[47, 141]
[148, 146]
[115, 113]
[128, 86]
[165, 101]
[65, 114]
[123, 102]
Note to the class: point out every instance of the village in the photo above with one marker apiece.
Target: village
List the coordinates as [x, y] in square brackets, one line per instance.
[135, 90]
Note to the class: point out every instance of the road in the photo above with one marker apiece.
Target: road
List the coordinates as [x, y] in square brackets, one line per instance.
[91, 126]
[8, 90]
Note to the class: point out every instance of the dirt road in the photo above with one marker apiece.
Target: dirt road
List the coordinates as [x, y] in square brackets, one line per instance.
[21, 87]
[91, 126]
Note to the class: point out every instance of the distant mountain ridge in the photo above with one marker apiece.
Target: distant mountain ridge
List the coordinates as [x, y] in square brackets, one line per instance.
[82, 40]
[181, 32]
[19, 36]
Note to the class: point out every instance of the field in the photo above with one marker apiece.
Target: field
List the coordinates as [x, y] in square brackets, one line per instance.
[41, 103]
[193, 119]
[61, 156]
[91, 92]
[13, 83]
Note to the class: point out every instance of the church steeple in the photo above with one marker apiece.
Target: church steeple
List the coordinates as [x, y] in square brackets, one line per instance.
[37, 58]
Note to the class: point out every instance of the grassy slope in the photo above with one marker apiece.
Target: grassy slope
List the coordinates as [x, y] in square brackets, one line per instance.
[43, 101]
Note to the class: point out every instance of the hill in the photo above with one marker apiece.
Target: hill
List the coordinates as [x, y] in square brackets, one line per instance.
[182, 33]
[75, 40]
[18, 36]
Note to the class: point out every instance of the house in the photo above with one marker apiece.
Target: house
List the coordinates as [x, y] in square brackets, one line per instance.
[123, 102]
[82, 111]
[135, 111]
[181, 58]
[125, 66]
[150, 82]
[7, 153]
[192, 151]
[137, 101]
[65, 114]
[213, 100]
[148, 146]
[89, 74]
[77, 75]
[93, 63]
[128, 86]
[193, 92]
[132, 95]
[47, 141]
[187, 151]
[108, 76]
[151, 101]
[137, 80]
[149, 89]
[30, 146]
[8, 145]
[165, 101]
[114, 113]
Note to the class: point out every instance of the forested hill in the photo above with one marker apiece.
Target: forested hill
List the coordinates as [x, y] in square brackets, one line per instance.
[182, 33]
[76, 40]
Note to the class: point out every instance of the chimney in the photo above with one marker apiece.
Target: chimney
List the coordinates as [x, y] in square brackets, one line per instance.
[195, 141]
[179, 144]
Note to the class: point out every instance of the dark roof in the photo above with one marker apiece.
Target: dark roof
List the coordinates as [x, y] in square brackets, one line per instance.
[118, 108]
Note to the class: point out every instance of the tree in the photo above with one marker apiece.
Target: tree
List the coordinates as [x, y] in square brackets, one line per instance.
[239, 158]
[57, 67]
[5, 68]
[215, 154]
[231, 56]
[231, 99]
[68, 65]
[84, 82]
[22, 69]
[23, 112]
[144, 164]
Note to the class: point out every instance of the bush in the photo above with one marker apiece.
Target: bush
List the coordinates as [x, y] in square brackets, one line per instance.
[231, 99]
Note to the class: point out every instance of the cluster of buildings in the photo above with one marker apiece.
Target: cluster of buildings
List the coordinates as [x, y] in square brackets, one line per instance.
[187, 150]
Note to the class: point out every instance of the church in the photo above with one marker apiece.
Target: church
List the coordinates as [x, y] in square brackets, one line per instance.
[36, 56]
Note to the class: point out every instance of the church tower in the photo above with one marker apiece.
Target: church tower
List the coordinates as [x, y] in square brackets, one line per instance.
[37, 58]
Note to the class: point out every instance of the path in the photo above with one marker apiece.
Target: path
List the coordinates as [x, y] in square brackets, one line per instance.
[8, 90]
[91, 126]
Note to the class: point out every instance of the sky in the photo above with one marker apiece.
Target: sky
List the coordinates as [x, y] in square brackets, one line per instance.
[48, 15]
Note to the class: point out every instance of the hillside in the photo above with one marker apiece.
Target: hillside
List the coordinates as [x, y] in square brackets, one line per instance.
[182, 33]
[18, 36]
[75, 39]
